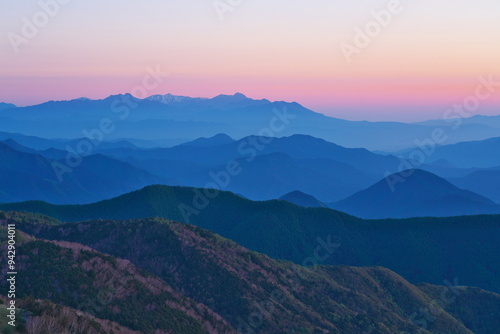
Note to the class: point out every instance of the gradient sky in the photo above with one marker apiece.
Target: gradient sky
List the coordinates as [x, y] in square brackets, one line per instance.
[428, 58]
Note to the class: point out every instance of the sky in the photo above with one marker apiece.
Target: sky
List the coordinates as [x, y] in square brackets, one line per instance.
[423, 57]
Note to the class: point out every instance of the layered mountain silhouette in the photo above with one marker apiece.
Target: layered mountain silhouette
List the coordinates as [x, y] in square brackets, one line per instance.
[172, 117]
[296, 146]
[268, 176]
[468, 154]
[266, 168]
[4, 105]
[426, 248]
[258, 173]
[322, 169]
[182, 279]
[26, 176]
[325, 170]
[218, 139]
[43, 144]
[31, 142]
[483, 182]
[415, 193]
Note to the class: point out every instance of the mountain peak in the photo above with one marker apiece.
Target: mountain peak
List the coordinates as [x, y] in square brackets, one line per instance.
[4, 105]
[416, 178]
[168, 98]
[112, 97]
[300, 198]
[238, 97]
[415, 193]
[218, 139]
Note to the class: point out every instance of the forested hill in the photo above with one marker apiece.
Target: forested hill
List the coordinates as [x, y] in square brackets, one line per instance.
[428, 249]
[158, 274]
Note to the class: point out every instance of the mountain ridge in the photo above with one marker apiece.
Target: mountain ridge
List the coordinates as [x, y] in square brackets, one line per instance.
[286, 231]
[302, 199]
[236, 115]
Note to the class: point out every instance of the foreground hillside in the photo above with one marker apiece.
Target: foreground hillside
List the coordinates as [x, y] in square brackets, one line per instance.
[156, 274]
[428, 249]
[106, 287]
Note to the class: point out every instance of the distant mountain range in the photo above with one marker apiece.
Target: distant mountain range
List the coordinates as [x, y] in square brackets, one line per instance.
[177, 118]
[41, 144]
[180, 279]
[493, 121]
[473, 154]
[415, 193]
[428, 249]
